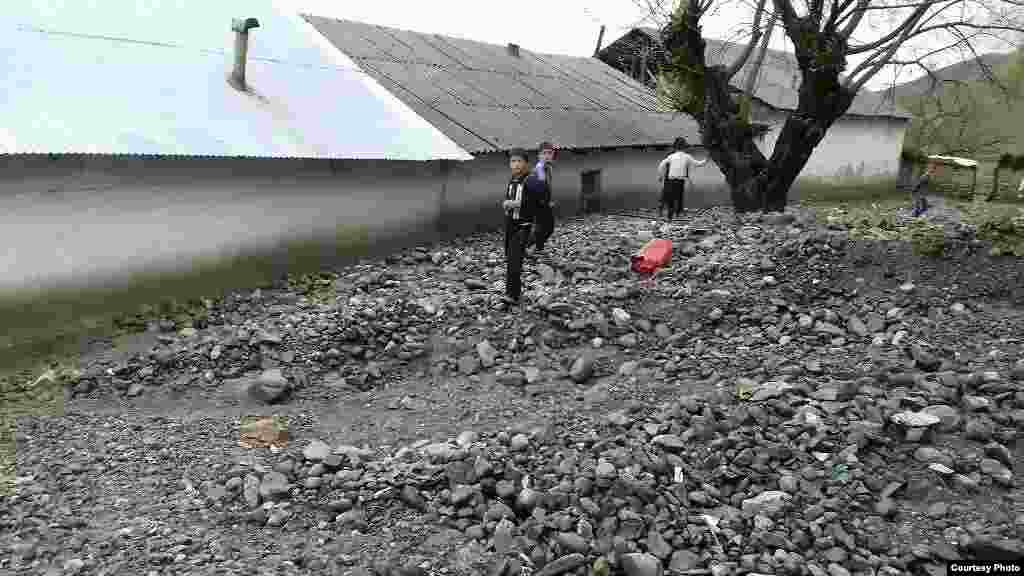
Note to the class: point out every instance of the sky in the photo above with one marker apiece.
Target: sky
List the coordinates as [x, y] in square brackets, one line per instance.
[568, 27]
[554, 26]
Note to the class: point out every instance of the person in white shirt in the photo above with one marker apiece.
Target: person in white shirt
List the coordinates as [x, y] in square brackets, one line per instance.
[674, 171]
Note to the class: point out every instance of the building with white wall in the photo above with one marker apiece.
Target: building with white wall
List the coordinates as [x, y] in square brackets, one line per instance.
[610, 130]
[125, 142]
[864, 143]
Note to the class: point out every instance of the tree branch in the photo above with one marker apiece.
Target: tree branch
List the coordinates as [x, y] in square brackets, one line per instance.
[816, 8]
[910, 22]
[751, 81]
[908, 31]
[854, 84]
[787, 13]
[856, 16]
[755, 35]
[837, 10]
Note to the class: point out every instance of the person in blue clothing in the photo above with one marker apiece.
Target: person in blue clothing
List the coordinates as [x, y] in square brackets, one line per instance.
[545, 225]
[919, 196]
[524, 197]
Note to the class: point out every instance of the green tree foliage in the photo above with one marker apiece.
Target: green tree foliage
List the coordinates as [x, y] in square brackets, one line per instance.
[970, 118]
[961, 120]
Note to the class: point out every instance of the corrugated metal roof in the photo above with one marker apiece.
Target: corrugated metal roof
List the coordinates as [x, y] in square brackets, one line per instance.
[487, 100]
[138, 77]
[779, 78]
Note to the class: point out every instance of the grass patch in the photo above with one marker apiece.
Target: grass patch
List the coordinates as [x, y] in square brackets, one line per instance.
[40, 325]
[27, 394]
[812, 190]
[43, 331]
[999, 223]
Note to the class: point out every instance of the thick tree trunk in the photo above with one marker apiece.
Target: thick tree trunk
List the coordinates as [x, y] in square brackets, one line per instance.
[730, 143]
[822, 100]
[756, 182]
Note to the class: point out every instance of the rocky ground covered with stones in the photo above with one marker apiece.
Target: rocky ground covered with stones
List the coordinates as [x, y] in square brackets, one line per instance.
[783, 400]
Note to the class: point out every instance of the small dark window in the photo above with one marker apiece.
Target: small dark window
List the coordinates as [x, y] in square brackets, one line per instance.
[590, 191]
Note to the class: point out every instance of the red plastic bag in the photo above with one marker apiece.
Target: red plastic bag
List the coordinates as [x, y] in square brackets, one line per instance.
[654, 255]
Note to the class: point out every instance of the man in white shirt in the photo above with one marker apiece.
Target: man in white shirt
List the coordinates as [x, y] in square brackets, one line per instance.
[674, 171]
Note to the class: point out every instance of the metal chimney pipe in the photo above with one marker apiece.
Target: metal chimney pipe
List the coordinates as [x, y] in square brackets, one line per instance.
[513, 50]
[241, 27]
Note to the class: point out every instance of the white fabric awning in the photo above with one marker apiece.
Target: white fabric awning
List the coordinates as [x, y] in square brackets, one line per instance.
[962, 162]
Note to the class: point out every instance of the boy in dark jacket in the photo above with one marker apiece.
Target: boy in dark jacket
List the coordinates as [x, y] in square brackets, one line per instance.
[523, 197]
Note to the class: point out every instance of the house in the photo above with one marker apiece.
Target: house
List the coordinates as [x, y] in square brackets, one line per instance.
[611, 131]
[128, 143]
[865, 143]
[141, 134]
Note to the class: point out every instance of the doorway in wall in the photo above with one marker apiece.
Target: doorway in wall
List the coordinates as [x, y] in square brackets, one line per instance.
[590, 191]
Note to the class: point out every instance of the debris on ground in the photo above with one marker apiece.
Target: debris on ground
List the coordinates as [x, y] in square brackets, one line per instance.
[859, 414]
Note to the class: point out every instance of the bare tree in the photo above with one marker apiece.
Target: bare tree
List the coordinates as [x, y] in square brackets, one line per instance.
[826, 35]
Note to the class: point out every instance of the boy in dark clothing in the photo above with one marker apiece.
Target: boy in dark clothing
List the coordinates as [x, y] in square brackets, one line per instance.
[545, 225]
[523, 197]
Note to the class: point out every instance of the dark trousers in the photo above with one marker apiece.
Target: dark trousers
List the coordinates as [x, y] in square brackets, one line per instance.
[545, 227]
[672, 196]
[517, 236]
[919, 203]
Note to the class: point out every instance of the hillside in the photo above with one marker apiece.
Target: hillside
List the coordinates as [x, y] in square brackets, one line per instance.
[979, 121]
[964, 71]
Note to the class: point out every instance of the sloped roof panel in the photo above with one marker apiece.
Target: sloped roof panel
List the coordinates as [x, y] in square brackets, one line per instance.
[498, 101]
[481, 88]
[461, 134]
[463, 52]
[619, 91]
[555, 92]
[347, 39]
[454, 87]
[482, 56]
[423, 47]
[409, 74]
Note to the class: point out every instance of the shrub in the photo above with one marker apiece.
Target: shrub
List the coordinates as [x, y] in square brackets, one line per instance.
[927, 239]
[1004, 230]
[912, 155]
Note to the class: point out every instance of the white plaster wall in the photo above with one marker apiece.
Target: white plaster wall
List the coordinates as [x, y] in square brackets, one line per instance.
[629, 178]
[853, 147]
[78, 219]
